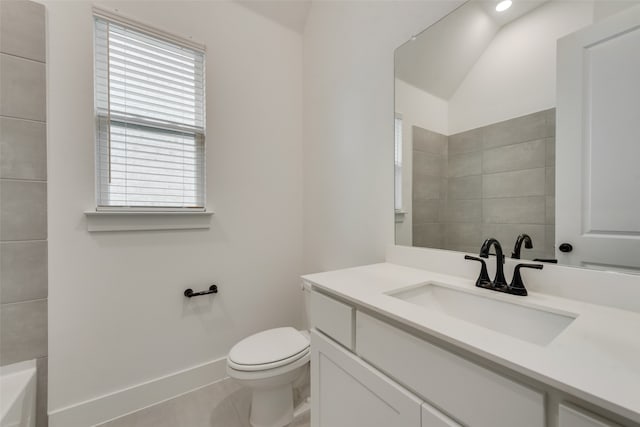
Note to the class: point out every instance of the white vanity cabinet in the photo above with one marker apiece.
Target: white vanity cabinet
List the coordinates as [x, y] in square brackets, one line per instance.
[350, 389]
[333, 317]
[346, 392]
[367, 371]
[570, 416]
[474, 395]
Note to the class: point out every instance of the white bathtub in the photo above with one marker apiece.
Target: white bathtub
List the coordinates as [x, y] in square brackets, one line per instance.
[18, 394]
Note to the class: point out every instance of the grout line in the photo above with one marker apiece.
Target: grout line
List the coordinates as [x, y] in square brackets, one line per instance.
[513, 170]
[23, 180]
[24, 240]
[513, 197]
[22, 118]
[21, 241]
[511, 144]
[24, 57]
[28, 301]
[482, 162]
[487, 223]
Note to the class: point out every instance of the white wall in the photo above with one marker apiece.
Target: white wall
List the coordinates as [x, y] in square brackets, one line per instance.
[117, 316]
[516, 74]
[604, 9]
[418, 108]
[348, 128]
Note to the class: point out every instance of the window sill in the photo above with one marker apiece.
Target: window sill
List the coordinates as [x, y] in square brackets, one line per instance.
[98, 221]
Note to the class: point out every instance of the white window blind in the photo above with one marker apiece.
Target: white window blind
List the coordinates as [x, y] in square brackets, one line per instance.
[150, 120]
[398, 163]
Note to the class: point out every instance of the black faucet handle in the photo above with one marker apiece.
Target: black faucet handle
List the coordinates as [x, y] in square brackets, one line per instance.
[484, 281]
[517, 285]
[550, 260]
[534, 266]
[473, 258]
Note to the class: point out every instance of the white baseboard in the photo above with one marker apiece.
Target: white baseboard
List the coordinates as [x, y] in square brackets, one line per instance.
[116, 404]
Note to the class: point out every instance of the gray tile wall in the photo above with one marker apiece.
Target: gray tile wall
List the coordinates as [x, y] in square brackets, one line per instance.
[430, 170]
[23, 190]
[499, 182]
[512, 165]
[464, 208]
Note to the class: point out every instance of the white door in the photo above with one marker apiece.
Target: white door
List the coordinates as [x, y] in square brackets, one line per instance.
[346, 392]
[598, 144]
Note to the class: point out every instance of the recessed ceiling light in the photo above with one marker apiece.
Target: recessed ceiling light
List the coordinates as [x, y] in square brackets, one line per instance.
[503, 5]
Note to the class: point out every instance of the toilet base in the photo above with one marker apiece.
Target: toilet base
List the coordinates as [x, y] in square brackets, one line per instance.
[271, 387]
[271, 392]
[272, 407]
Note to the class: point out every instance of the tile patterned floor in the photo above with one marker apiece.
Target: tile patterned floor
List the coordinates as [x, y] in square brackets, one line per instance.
[222, 404]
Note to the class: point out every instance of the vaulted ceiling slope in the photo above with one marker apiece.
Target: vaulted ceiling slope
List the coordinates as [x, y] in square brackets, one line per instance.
[457, 41]
[291, 14]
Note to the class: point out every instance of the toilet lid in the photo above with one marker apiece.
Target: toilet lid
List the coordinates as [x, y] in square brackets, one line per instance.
[269, 346]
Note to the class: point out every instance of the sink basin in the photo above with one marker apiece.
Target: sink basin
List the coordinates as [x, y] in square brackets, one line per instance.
[526, 323]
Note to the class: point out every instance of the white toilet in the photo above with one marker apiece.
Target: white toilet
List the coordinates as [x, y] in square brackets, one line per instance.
[268, 363]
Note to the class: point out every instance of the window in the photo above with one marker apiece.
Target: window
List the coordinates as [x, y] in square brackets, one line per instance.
[150, 119]
[398, 163]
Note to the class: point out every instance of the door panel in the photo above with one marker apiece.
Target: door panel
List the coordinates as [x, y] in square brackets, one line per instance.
[598, 144]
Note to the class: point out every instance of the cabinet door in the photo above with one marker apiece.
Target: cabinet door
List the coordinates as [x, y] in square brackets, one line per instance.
[573, 417]
[346, 392]
[474, 395]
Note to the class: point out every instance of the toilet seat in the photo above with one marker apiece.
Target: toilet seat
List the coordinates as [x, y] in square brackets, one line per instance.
[269, 349]
[267, 366]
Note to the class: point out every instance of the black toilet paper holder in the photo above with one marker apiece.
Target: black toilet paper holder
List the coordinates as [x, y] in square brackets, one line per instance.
[189, 293]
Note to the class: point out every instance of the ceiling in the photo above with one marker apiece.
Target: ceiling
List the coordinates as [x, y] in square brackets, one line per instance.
[457, 41]
[291, 14]
[517, 9]
[469, 29]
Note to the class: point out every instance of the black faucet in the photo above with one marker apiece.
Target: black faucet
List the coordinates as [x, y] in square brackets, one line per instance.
[499, 281]
[523, 238]
[516, 287]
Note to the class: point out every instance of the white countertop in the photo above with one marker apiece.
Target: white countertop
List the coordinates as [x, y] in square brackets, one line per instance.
[596, 358]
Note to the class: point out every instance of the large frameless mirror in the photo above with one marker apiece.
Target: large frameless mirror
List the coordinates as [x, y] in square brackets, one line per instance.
[521, 123]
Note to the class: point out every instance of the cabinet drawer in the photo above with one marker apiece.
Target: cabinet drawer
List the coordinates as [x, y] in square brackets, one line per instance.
[470, 393]
[333, 318]
[570, 416]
